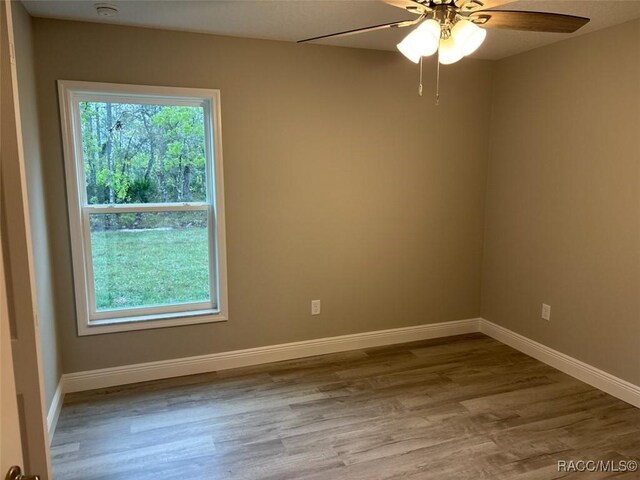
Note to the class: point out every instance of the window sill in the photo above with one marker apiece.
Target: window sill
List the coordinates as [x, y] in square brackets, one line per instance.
[126, 324]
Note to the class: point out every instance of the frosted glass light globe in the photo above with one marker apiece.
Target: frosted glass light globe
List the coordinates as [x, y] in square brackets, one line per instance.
[421, 42]
[450, 52]
[468, 36]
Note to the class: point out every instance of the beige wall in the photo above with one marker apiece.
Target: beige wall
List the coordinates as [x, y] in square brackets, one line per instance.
[36, 186]
[341, 184]
[563, 198]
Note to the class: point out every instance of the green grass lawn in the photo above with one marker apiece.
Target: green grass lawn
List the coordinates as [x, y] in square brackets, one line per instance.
[150, 267]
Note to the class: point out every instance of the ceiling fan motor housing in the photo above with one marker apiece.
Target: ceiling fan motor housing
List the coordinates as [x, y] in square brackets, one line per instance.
[446, 17]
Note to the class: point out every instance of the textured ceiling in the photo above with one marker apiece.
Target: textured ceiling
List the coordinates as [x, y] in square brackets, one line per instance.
[291, 20]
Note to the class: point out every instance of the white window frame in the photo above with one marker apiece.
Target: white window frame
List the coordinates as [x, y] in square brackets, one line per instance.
[90, 321]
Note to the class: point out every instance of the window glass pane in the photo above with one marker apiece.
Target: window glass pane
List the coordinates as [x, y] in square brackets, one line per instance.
[141, 153]
[149, 259]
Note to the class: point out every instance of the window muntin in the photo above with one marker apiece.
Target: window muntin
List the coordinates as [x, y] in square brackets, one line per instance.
[147, 192]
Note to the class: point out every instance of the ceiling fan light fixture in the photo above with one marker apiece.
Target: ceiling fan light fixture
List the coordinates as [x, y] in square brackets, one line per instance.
[450, 51]
[468, 36]
[450, 27]
[421, 42]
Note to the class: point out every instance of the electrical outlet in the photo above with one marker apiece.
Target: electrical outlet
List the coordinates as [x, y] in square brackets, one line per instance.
[546, 311]
[315, 307]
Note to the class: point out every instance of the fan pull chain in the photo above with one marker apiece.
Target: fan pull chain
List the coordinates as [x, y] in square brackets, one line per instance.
[438, 81]
[420, 84]
[438, 76]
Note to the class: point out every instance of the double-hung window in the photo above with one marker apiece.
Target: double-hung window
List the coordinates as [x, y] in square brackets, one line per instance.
[145, 194]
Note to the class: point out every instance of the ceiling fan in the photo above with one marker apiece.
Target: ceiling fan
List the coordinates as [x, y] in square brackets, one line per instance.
[456, 28]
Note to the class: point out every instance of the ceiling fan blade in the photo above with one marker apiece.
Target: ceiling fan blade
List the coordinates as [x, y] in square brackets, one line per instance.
[413, 6]
[529, 21]
[475, 5]
[403, 23]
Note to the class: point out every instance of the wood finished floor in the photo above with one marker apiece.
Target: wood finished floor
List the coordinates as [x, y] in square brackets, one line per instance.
[463, 407]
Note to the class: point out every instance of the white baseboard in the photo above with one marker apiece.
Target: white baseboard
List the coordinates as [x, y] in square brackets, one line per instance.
[55, 408]
[142, 372]
[595, 377]
[108, 377]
